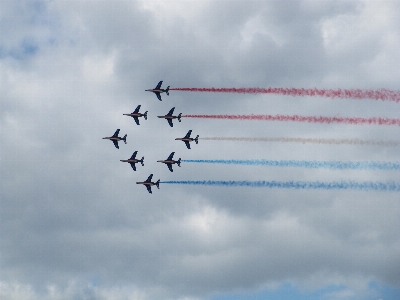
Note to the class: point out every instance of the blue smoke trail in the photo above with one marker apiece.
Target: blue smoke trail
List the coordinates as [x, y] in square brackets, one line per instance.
[304, 164]
[304, 185]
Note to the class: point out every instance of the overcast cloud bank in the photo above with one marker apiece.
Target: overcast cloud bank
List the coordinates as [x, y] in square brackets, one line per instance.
[73, 223]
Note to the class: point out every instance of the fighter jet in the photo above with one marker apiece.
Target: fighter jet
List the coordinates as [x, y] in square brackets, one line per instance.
[115, 138]
[169, 117]
[158, 90]
[188, 139]
[133, 160]
[148, 183]
[169, 161]
[136, 114]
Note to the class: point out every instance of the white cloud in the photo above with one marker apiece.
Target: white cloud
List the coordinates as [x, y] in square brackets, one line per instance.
[73, 290]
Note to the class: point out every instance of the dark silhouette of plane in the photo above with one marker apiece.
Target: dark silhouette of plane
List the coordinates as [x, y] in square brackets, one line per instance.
[115, 138]
[169, 117]
[187, 139]
[148, 183]
[169, 161]
[136, 114]
[133, 160]
[158, 90]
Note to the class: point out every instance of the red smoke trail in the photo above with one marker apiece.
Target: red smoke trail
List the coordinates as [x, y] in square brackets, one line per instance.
[358, 142]
[296, 118]
[381, 94]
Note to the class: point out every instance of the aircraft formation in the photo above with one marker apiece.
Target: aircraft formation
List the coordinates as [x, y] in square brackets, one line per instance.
[187, 139]
[115, 138]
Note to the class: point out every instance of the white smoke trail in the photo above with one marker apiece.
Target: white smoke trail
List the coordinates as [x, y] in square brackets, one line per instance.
[309, 140]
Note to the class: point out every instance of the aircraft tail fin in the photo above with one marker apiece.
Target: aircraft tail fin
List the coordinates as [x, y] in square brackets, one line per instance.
[158, 183]
[197, 139]
[142, 161]
[124, 138]
[167, 90]
[145, 115]
[179, 117]
[179, 162]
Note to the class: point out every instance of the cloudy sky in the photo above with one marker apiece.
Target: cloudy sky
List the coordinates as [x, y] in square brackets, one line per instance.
[73, 223]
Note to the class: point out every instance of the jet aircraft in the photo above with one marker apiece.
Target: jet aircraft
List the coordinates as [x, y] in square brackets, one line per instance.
[158, 90]
[169, 117]
[169, 161]
[188, 139]
[133, 160]
[115, 138]
[136, 114]
[148, 183]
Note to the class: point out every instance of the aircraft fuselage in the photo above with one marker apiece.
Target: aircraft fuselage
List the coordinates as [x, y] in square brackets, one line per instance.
[113, 138]
[167, 117]
[147, 183]
[156, 90]
[171, 161]
[131, 161]
[137, 115]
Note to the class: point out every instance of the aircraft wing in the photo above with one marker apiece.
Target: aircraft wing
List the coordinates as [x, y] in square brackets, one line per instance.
[170, 167]
[133, 166]
[134, 155]
[116, 144]
[171, 156]
[150, 177]
[136, 120]
[158, 95]
[137, 109]
[188, 134]
[149, 189]
[116, 133]
[171, 112]
[187, 145]
[170, 122]
[159, 85]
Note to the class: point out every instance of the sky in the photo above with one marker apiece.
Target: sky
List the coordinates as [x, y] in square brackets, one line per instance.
[75, 225]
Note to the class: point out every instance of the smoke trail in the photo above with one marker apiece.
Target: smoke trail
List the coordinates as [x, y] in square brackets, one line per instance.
[304, 185]
[296, 118]
[304, 164]
[380, 94]
[309, 140]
